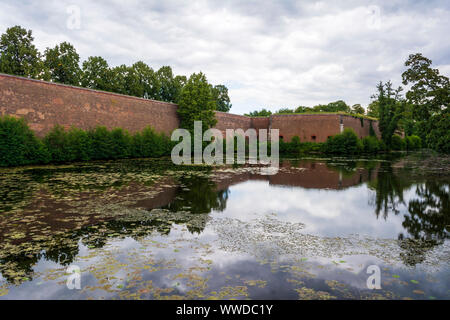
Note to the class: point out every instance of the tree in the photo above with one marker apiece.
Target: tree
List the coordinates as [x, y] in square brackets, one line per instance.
[357, 109]
[373, 109]
[142, 81]
[167, 89]
[262, 113]
[337, 106]
[303, 109]
[285, 110]
[120, 79]
[430, 95]
[391, 107]
[63, 64]
[178, 83]
[96, 74]
[220, 95]
[18, 55]
[196, 103]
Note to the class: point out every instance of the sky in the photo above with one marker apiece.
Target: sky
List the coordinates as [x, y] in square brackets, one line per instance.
[270, 54]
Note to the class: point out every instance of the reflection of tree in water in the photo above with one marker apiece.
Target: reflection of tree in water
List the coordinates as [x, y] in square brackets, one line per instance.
[388, 191]
[428, 217]
[429, 214]
[428, 221]
[198, 195]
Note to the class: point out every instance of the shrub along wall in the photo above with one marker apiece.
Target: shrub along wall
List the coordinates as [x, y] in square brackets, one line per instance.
[19, 146]
[348, 143]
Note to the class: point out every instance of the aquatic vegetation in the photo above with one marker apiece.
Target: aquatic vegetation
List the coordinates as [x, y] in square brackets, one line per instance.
[145, 229]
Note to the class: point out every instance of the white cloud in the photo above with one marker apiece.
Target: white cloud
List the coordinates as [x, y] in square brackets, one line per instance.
[270, 53]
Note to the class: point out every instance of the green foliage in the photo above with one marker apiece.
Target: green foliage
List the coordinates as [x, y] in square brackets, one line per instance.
[357, 109]
[103, 144]
[430, 96]
[220, 95]
[196, 103]
[344, 143]
[371, 144]
[96, 74]
[413, 142]
[296, 147]
[18, 55]
[18, 144]
[63, 64]
[56, 143]
[438, 136]
[397, 143]
[390, 107]
[373, 110]
[285, 111]
[261, 113]
[148, 144]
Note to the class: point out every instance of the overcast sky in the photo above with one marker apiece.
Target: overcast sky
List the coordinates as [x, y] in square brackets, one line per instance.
[269, 54]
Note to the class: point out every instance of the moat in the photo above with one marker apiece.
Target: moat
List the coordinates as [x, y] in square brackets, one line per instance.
[147, 229]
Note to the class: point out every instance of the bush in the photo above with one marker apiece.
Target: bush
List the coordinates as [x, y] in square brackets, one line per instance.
[397, 143]
[413, 142]
[371, 144]
[18, 144]
[344, 143]
[56, 142]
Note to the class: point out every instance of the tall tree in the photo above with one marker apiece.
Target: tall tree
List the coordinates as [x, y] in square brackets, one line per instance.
[167, 89]
[142, 81]
[63, 64]
[96, 74]
[391, 107]
[220, 94]
[120, 76]
[18, 55]
[196, 103]
[430, 95]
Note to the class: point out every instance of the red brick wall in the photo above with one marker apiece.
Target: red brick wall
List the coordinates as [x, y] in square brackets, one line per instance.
[260, 123]
[305, 126]
[232, 121]
[45, 104]
[362, 128]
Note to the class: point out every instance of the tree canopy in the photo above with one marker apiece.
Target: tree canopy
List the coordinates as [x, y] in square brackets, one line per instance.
[19, 56]
[63, 64]
[196, 103]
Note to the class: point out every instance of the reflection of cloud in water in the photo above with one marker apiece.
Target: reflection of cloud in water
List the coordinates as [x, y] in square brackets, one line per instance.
[269, 238]
[324, 212]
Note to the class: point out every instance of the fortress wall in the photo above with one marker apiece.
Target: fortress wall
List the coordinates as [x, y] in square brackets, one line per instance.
[232, 121]
[45, 104]
[306, 126]
[260, 123]
[361, 127]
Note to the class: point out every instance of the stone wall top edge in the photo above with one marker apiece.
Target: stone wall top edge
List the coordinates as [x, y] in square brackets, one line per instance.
[84, 89]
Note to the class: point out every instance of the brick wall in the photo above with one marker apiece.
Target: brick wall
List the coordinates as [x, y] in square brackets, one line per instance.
[308, 127]
[45, 104]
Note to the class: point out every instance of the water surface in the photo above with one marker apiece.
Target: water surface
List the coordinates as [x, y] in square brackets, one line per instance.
[146, 229]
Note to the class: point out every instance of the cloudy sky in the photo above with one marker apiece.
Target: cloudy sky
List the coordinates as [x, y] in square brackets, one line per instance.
[270, 54]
